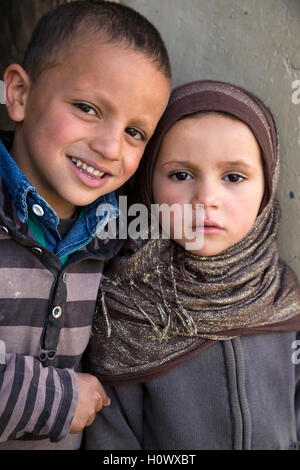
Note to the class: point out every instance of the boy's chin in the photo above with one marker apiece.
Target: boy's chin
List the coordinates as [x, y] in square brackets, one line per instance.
[67, 208]
[82, 201]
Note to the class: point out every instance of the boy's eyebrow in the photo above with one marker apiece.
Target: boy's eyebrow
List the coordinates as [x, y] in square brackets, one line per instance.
[98, 98]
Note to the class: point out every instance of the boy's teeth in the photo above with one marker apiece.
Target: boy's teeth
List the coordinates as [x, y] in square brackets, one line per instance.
[89, 169]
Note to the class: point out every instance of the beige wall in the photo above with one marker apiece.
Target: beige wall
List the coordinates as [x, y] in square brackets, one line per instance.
[252, 43]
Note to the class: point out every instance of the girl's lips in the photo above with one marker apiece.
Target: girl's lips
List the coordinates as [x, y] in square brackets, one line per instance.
[208, 227]
[211, 223]
[212, 229]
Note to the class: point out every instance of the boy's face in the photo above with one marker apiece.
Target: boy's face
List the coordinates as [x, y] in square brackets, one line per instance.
[86, 123]
[214, 161]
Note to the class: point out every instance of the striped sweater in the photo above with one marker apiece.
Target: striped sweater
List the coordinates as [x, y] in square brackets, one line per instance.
[46, 311]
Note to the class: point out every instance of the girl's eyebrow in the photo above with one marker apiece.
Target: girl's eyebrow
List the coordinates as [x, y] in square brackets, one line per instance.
[224, 164]
[237, 163]
[179, 162]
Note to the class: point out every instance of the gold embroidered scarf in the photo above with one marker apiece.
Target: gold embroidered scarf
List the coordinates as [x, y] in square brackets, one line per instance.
[158, 306]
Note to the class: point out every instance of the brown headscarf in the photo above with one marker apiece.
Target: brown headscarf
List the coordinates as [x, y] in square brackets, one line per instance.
[152, 314]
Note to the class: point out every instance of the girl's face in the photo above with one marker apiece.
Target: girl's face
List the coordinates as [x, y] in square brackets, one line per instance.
[213, 160]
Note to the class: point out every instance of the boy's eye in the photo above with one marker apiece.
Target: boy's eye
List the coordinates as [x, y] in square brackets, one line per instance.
[138, 135]
[85, 108]
[180, 176]
[234, 178]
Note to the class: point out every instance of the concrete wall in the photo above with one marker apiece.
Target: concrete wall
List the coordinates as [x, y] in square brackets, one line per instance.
[252, 43]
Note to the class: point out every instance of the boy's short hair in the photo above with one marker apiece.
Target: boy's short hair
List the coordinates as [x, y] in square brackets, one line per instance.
[113, 22]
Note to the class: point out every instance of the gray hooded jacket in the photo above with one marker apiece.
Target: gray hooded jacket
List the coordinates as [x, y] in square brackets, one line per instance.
[238, 394]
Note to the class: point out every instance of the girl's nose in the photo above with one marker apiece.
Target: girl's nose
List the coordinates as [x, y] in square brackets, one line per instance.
[207, 194]
[108, 143]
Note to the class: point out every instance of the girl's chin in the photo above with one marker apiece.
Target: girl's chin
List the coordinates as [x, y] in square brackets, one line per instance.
[205, 250]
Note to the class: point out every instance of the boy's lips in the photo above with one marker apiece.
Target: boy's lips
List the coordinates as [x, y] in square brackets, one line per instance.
[89, 173]
[89, 166]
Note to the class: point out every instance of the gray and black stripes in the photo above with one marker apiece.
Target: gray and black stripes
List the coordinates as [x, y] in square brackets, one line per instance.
[38, 397]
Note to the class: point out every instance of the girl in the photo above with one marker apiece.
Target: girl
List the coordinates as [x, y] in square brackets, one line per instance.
[199, 346]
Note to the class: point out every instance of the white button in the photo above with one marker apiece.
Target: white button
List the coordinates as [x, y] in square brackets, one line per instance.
[38, 210]
[56, 312]
[3, 229]
[36, 250]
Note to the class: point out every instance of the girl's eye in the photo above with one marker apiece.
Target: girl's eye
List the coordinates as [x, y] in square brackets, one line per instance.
[137, 135]
[180, 176]
[234, 178]
[85, 108]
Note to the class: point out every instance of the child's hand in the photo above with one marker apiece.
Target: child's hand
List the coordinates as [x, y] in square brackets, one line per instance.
[91, 399]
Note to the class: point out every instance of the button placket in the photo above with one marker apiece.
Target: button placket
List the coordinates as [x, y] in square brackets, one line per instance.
[55, 322]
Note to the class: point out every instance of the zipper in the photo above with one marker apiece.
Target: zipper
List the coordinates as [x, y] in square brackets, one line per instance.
[240, 413]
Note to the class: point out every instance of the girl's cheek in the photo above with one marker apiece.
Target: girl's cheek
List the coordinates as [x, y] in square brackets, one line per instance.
[168, 197]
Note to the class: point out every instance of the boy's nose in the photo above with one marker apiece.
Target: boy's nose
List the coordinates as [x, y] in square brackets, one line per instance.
[108, 144]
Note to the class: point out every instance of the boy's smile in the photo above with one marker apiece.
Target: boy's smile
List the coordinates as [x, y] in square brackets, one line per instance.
[214, 161]
[86, 123]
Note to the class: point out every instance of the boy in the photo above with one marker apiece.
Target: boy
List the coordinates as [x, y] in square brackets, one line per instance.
[94, 83]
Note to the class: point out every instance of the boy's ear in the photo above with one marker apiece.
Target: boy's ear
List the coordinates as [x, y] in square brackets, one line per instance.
[17, 84]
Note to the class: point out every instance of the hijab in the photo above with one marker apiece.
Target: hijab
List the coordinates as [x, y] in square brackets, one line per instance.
[158, 304]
